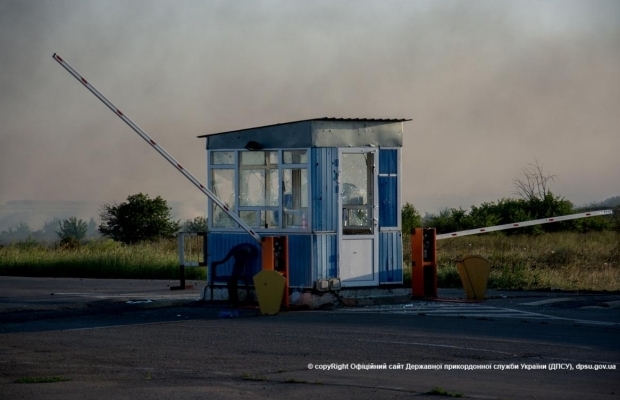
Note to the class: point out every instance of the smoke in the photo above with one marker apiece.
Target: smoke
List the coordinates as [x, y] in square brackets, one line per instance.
[490, 86]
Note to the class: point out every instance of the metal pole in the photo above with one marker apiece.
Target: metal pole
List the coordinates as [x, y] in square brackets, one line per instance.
[524, 223]
[157, 147]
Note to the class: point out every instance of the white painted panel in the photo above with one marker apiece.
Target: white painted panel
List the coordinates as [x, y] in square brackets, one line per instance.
[357, 262]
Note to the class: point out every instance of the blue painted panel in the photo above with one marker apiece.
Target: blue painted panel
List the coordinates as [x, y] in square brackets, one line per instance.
[325, 263]
[299, 247]
[390, 257]
[388, 161]
[324, 182]
[388, 201]
[218, 245]
[299, 262]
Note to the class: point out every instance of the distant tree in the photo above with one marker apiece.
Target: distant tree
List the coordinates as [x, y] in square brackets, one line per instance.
[20, 232]
[92, 230]
[598, 224]
[535, 182]
[506, 211]
[602, 223]
[49, 227]
[72, 228]
[140, 218]
[448, 220]
[198, 224]
[607, 203]
[47, 233]
[410, 218]
[611, 202]
[540, 202]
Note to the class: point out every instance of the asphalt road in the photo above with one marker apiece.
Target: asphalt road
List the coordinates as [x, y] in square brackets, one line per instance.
[114, 349]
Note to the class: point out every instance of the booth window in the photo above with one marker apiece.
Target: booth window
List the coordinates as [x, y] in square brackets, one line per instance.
[272, 189]
[223, 186]
[295, 156]
[222, 158]
[259, 188]
[356, 193]
[295, 194]
[295, 188]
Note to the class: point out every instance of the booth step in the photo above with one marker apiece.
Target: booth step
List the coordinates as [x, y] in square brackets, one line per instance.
[375, 296]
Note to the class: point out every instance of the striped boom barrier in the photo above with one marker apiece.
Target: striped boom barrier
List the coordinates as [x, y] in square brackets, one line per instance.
[157, 147]
[524, 223]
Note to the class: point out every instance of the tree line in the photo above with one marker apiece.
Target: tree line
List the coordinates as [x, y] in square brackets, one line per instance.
[52, 230]
[141, 218]
[509, 210]
[137, 219]
[534, 200]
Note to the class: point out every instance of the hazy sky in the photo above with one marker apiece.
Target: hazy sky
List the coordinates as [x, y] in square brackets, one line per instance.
[490, 85]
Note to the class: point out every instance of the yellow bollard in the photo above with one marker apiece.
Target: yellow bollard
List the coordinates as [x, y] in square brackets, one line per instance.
[269, 286]
[474, 272]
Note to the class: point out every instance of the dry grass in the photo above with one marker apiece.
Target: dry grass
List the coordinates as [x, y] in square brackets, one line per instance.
[569, 261]
[98, 259]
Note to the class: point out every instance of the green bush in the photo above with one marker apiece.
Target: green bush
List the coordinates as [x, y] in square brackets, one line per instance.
[138, 219]
[410, 218]
[507, 211]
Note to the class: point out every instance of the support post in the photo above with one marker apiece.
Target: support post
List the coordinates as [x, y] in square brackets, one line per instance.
[423, 263]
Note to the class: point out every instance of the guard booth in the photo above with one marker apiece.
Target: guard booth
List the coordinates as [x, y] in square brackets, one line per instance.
[331, 185]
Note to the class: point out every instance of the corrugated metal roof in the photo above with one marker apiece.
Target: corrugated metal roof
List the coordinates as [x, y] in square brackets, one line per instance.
[361, 119]
[315, 119]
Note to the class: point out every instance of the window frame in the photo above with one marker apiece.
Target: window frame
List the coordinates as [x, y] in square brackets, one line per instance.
[279, 208]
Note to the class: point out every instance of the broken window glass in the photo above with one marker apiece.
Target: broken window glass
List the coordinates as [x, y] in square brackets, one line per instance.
[259, 188]
[222, 158]
[356, 182]
[223, 186]
[259, 183]
[295, 156]
[295, 197]
[250, 217]
[268, 196]
[269, 219]
[259, 158]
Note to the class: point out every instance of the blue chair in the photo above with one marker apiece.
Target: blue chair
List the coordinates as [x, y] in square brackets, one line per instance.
[245, 256]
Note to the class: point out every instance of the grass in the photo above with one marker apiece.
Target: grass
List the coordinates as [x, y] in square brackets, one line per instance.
[97, 259]
[565, 260]
[437, 391]
[249, 377]
[49, 379]
[293, 380]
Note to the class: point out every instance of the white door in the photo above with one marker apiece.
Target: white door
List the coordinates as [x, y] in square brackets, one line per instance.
[358, 206]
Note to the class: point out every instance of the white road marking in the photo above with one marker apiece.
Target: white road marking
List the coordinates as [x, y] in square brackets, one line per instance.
[128, 325]
[438, 345]
[608, 305]
[613, 304]
[467, 310]
[134, 295]
[548, 301]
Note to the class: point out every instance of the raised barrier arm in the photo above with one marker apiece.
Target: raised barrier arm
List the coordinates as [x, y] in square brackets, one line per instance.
[157, 147]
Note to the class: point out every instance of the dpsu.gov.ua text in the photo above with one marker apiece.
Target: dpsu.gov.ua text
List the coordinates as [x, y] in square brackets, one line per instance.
[462, 367]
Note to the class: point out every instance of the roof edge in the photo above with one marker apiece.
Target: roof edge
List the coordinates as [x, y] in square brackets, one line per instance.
[312, 119]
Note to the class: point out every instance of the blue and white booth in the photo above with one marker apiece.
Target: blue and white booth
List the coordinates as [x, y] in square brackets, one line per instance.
[332, 185]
